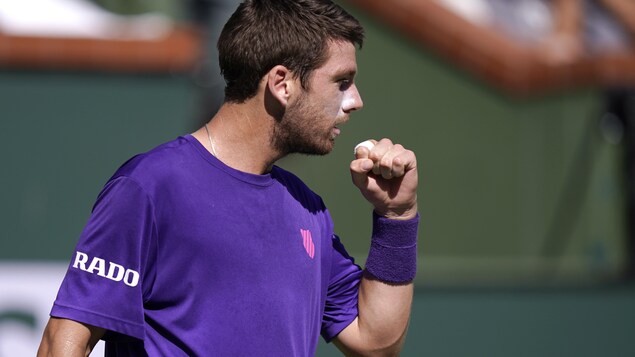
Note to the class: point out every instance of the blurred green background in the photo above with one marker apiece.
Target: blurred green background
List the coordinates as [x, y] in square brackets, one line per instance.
[493, 169]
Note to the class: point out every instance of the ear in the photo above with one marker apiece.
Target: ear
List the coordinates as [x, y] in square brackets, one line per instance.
[281, 83]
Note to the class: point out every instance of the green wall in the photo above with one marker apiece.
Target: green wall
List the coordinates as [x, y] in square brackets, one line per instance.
[63, 135]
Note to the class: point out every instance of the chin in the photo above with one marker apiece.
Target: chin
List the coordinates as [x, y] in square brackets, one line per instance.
[318, 150]
[315, 152]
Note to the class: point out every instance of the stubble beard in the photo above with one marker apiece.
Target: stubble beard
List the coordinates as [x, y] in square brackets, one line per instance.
[295, 133]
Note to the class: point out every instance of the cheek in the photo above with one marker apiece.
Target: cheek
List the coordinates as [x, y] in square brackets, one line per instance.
[332, 106]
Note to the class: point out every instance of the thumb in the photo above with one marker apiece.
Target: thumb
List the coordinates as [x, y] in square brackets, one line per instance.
[359, 171]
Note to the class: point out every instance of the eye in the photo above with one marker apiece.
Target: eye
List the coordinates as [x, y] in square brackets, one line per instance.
[344, 84]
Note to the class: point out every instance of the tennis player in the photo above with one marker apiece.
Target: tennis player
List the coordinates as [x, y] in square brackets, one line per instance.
[204, 247]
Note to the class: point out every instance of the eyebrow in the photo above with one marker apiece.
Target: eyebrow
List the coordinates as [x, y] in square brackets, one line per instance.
[345, 73]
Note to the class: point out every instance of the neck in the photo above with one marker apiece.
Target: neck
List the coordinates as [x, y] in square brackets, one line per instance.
[241, 138]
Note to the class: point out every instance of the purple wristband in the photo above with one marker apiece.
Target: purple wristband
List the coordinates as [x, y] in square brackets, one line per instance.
[393, 250]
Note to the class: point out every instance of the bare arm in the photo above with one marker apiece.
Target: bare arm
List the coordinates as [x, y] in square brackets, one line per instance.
[380, 329]
[63, 337]
[386, 175]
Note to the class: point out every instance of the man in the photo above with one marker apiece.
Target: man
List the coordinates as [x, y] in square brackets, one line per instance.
[203, 247]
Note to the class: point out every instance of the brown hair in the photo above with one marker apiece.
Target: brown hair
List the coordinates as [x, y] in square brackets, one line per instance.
[294, 33]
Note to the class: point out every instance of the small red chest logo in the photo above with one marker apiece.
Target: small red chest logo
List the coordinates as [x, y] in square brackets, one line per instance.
[308, 242]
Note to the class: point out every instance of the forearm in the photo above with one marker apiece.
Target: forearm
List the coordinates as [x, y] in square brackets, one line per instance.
[385, 292]
[384, 312]
[382, 322]
[64, 337]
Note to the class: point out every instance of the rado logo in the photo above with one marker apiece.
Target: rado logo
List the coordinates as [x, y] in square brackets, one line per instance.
[105, 269]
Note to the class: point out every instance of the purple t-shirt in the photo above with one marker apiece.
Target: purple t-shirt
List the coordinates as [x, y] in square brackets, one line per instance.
[185, 256]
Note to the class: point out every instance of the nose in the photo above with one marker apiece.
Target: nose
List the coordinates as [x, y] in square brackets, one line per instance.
[354, 100]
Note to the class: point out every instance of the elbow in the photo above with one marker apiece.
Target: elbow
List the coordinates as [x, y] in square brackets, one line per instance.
[360, 340]
[379, 347]
[386, 349]
[389, 345]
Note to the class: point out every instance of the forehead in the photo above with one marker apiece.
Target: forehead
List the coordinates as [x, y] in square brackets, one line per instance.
[340, 59]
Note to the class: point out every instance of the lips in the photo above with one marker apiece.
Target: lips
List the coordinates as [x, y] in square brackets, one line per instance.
[336, 130]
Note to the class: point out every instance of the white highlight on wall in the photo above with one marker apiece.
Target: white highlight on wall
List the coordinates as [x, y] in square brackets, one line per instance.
[27, 292]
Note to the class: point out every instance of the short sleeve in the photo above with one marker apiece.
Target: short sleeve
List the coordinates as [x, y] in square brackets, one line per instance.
[105, 282]
[341, 300]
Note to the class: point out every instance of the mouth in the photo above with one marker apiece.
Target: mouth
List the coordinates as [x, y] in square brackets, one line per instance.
[335, 132]
[336, 128]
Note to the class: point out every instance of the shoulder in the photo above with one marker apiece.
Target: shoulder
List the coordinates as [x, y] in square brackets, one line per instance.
[297, 187]
[289, 179]
[161, 161]
[154, 171]
[138, 176]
